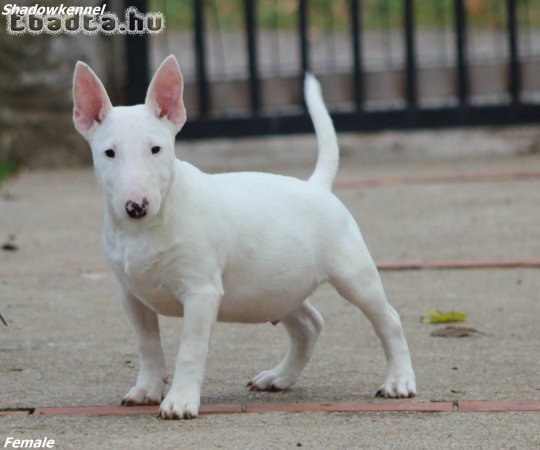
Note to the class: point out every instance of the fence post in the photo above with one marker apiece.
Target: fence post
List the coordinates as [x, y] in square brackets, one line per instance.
[200, 58]
[358, 62]
[514, 75]
[461, 68]
[304, 42]
[137, 60]
[251, 41]
[410, 55]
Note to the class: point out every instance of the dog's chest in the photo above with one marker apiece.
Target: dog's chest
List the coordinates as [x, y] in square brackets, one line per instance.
[146, 270]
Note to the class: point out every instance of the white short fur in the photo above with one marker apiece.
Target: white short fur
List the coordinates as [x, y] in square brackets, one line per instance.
[236, 247]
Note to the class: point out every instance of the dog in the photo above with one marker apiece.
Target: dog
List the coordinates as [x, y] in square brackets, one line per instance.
[240, 247]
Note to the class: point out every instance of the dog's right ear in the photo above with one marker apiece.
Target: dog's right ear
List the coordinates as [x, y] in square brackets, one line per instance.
[90, 100]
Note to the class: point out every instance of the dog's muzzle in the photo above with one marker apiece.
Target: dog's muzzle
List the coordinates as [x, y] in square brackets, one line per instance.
[136, 211]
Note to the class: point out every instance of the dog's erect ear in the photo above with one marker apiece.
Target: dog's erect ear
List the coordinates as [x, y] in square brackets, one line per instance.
[164, 96]
[91, 102]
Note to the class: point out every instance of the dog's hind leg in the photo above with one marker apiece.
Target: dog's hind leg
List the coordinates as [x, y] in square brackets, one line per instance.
[303, 326]
[357, 280]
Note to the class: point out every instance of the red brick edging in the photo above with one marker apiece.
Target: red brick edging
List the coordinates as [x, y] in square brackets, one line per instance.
[479, 177]
[461, 264]
[358, 407]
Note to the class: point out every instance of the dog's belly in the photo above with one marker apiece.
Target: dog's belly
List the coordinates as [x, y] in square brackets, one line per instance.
[257, 294]
[260, 307]
[241, 303]
[241, 306]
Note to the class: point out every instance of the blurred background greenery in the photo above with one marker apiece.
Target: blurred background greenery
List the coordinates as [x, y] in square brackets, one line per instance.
[282, 14]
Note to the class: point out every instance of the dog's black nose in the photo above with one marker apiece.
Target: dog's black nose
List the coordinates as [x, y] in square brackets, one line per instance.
[135, 210]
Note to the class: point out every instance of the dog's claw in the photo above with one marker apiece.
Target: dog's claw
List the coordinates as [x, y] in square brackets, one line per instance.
[179, 405]
[272, 388]
[397, 388]
[145, 401]
[173, 415]
[253, 387]
[144, 395]
[381, 394]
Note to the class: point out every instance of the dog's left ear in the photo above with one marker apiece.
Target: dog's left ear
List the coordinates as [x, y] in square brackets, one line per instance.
[164, 96]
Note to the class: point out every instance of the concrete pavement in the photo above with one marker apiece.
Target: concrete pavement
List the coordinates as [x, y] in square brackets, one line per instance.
[68, 343]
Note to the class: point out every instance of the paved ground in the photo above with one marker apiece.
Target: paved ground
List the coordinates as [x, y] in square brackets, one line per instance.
[68, 343]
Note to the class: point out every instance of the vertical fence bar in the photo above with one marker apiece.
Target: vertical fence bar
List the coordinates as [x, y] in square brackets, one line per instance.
[460, 23]
[251, 41]
[386, 25]
[137, 59]
[514, 76]
[200, 58]
[410, 55]
[358, 62]
[304, 42]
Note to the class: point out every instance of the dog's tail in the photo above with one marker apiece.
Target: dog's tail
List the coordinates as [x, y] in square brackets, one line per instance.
[328, 158]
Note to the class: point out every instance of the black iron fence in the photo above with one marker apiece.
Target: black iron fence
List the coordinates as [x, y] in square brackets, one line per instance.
[456, 88]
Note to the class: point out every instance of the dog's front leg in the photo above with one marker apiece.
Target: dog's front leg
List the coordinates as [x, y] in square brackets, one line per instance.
[152, 374]
[200, 311]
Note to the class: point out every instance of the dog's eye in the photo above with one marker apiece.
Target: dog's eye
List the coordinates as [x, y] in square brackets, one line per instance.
[155, 149]
[110, 153]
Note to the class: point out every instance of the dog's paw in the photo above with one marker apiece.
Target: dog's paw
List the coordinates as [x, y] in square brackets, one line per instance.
[397, 387]
[179, 406]
[147, 394]
[272, 380]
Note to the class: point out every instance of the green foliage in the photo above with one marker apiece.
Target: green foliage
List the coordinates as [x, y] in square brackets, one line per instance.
[7, 168]
[178, 13]
[435, 316]
[376, 14]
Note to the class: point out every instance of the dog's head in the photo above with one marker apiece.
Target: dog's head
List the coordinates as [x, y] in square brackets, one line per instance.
[132, 147]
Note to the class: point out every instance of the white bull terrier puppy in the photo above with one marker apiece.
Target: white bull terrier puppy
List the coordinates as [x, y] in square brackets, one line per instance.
[236, 247]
